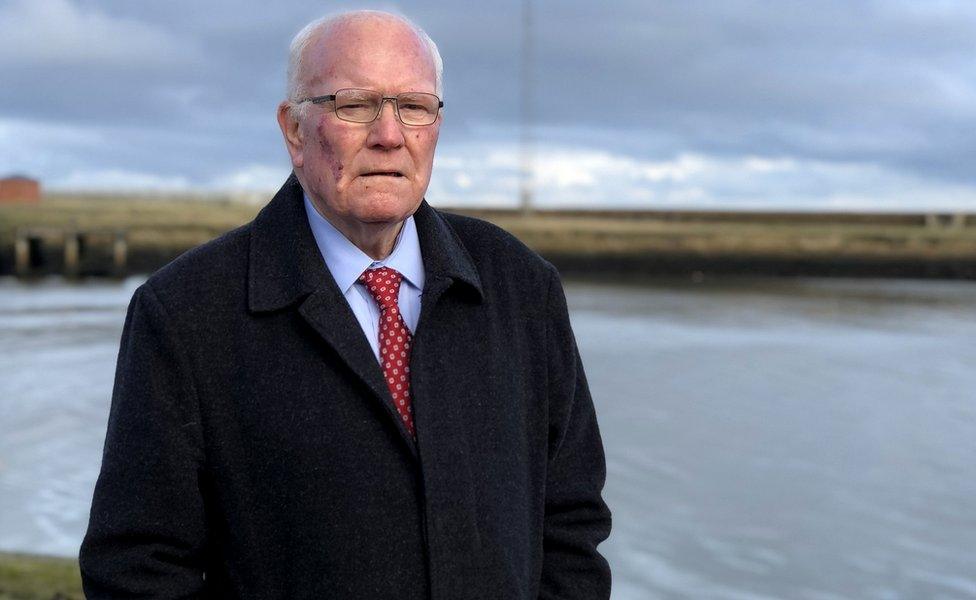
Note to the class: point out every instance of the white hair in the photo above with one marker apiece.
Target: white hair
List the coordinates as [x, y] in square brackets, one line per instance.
[303, 38]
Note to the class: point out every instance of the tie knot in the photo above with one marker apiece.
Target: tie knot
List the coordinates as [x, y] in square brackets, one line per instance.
[384, 285]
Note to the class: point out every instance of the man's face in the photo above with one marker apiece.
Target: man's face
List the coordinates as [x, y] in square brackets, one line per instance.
[364, 173]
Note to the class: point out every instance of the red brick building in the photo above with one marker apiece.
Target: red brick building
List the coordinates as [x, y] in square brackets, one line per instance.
[18, 188]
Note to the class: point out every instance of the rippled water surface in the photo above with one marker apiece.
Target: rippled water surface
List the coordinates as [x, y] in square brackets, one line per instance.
[810, 439]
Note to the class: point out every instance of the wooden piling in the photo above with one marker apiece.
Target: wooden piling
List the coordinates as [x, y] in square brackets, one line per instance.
[120, 252]
[22, 257]
[72, 253]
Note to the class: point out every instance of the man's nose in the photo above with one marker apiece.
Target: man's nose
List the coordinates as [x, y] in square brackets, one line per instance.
[386, 131]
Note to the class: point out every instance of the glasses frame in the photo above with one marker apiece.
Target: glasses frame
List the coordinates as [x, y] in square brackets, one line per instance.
[379, 110]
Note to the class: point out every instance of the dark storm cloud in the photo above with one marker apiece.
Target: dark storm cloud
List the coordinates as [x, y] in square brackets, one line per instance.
[883, 81]
[888, 83]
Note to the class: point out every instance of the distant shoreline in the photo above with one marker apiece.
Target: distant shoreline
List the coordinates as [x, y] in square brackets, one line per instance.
[118, 236]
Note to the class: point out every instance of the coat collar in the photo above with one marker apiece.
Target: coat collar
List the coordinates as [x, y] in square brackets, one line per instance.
[285, 263]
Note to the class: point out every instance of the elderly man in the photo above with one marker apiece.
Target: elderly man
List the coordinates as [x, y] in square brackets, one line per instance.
[355, 395]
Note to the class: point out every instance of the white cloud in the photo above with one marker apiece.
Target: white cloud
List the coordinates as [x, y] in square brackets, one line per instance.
[255, 177]
[19, 132]
[119, 180]
[473, 174]
[759, 164]
[59, 33]
[487, 172]
[37, 148]
[462, 181]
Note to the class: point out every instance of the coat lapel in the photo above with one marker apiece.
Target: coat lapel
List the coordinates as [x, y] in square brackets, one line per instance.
[286, 270]
[446, 261]
[450, 277]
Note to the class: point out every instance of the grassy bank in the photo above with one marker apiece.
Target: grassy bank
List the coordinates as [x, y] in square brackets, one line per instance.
[163, 222]
[29, 577]
[156, 229]
[653, 242]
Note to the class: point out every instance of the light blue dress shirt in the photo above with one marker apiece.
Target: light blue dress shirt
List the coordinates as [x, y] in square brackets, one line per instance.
[347, 262]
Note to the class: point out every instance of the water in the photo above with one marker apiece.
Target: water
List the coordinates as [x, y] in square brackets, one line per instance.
[809, 439]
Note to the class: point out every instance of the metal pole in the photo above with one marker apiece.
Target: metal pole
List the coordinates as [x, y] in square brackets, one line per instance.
[525, 137]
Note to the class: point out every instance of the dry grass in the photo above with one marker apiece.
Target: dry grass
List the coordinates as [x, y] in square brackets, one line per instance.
[29, 577]
[608, 236]
[120, 212]
[176, 222]
[172, 224]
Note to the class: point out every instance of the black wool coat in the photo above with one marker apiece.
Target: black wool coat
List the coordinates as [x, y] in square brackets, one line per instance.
[253, 450]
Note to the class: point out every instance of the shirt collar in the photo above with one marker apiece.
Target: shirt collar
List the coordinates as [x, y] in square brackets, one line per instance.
[347, 262]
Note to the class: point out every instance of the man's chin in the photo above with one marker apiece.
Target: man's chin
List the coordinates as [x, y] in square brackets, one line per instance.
[380, 209]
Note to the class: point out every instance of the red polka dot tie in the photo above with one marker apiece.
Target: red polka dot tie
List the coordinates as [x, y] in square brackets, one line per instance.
[395, 340]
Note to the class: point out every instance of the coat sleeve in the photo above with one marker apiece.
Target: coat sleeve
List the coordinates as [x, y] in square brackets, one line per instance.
[146, 534]
[576, 517]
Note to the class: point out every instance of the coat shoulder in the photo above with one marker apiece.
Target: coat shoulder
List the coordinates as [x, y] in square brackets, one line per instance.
[491, 246]
[209, 275]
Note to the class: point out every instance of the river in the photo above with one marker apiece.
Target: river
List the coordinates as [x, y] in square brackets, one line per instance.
[797, 438]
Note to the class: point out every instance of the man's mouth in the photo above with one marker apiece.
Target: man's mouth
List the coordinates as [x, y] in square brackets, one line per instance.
[383, 174]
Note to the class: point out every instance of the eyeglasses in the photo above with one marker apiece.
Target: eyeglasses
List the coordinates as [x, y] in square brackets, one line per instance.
[364, 106]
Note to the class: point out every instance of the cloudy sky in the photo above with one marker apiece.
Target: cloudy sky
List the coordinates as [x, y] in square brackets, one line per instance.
[812, 104]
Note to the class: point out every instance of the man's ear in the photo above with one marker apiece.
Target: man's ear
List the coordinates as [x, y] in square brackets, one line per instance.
[291, 130]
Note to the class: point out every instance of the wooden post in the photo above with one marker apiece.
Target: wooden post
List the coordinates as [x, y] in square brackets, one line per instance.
[22, 253]
[120, 251]
[72, 253]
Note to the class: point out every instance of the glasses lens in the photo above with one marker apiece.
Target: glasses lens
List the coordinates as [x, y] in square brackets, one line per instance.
[363, 106]
[360, 106]
[417, 108]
